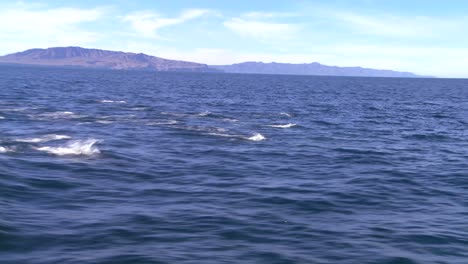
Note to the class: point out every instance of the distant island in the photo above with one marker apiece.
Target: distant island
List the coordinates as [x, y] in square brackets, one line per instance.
[117, 60]
[96, 58]
[314, 68]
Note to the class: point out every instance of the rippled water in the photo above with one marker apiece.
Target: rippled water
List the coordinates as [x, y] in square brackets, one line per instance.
[135, 167]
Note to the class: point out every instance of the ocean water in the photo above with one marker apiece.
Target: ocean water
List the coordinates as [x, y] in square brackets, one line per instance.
[138, 167]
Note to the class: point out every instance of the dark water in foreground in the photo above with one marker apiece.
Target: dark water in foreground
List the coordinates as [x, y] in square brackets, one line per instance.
[134, 167]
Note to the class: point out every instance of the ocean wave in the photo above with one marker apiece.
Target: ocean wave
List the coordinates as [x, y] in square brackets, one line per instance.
[257, 137]
[221, 132]
[232, 120]
[44, 138]
[4, 149]
[201, 114]
[204, 113]
[216, 116]
[285, 114]
[57, 115]
[2, 117]
[224, 135]
[76, 147]
[112, 101]
[106, 122]
[283, 126]
[174, 114]
[18, 109]
[169, 122]
[207, 129]
[141, 108]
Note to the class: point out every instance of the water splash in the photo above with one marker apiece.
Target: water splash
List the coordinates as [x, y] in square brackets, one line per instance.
[283, 126]
[105, 122]
[204, 113]
[232, 120]
[112, 101]
[44, 138]
[56, 115]
[257, 137]
[75, 147]
[169, 122]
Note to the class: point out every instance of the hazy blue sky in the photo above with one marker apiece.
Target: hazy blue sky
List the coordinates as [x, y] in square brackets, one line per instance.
[422, 36]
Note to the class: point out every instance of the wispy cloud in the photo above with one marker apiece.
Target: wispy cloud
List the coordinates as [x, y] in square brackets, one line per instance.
[263, 15]
[147, 23]
[395, 26]
[262, 30]
[51, 20]
[24, 26]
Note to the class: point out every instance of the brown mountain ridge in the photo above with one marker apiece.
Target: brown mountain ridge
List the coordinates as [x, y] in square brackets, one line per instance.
[96, 58]
[118, 60]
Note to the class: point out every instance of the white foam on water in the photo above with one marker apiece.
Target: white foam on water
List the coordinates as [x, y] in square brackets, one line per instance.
[204, 129]
[19, 109]
[283, 126]
[201, 114]
[1, 117]
[233, 120]
[112, 101]
[57, 115]
[7, 149]
[76, 147]
[44, 138]
[257, 137]
[106, 122]
[204, 113]
[58, 137]
[169, 122]
[285, 114]
[143, 108]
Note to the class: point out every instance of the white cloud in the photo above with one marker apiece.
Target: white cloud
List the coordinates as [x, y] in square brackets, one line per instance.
[397, 26]
[147, 23]
[261, 30]
[22, 27]
[263, 15]
[52, 20]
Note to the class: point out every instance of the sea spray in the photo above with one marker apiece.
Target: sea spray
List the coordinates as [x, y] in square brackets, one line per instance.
[283, 126]
[42, 139]
[257, 137]
[76, 147]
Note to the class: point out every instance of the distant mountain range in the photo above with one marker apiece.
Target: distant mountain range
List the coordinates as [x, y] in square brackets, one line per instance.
[96, 58]
[314, 68]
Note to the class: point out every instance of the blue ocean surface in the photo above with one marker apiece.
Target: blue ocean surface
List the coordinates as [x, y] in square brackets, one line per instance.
[101, 166]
